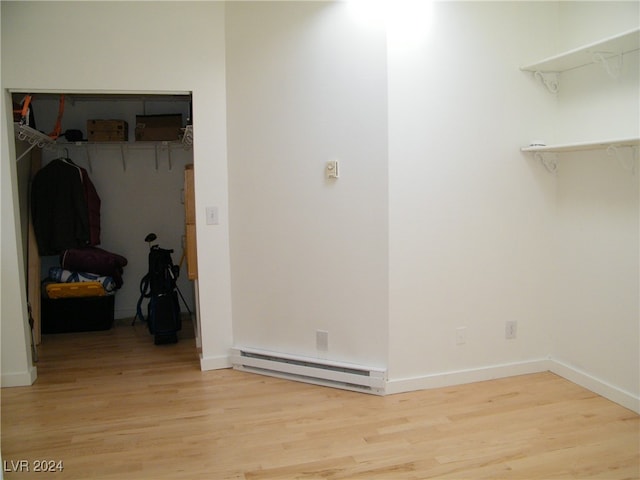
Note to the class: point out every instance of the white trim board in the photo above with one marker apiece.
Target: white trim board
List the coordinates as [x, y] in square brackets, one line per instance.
[20, 379]
[215, 363]
[460, 377]
[572, 374]
[596, 385]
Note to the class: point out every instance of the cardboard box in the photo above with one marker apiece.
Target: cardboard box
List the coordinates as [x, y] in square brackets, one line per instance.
[154, 128]
[107, 131]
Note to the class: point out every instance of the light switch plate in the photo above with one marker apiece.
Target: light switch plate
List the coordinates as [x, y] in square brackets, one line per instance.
[212, 216]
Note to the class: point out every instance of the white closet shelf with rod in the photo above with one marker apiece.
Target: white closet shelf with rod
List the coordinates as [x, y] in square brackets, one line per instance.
[35, 139]
[38, 139]
[125, 146]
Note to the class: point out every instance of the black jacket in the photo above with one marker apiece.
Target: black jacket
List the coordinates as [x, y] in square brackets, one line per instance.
[59, 208]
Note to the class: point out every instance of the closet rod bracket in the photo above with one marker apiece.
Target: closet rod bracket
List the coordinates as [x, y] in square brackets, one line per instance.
[550, 80]
[548, 160]
[88, 152]
[156, 156]
[168, 155]
[611, 62]
[24, 154]
[124, 151]
[628, 163]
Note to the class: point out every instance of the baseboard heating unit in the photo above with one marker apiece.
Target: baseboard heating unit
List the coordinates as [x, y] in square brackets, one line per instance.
[346, 376]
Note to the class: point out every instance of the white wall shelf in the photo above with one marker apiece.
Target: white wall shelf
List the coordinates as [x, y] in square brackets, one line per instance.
[606, 48]
[609, 53]
[548, 154]
[582, 146]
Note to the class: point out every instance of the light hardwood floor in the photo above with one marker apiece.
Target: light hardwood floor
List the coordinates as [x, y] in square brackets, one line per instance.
[112, 405]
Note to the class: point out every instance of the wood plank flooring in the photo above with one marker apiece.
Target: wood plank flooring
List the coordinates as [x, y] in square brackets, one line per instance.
[111, 405]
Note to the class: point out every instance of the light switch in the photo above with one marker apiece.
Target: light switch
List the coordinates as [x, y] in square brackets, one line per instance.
[212, 216]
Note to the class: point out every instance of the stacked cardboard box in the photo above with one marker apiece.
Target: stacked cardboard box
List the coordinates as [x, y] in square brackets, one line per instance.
[154, 128]
[107, 131]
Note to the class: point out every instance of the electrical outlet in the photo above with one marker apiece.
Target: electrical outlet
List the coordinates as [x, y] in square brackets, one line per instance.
[322, 340]
[461, 335]
[511, 330]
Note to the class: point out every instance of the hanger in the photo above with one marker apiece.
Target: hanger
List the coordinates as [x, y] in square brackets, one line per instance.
[66, 158]
[69, 162]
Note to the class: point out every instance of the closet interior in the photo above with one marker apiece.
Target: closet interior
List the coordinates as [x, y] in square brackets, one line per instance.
[97, 173]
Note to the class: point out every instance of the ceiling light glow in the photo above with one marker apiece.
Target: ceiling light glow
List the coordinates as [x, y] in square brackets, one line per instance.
[406, 22]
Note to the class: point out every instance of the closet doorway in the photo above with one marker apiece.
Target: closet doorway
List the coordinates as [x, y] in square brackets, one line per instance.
[138, 174]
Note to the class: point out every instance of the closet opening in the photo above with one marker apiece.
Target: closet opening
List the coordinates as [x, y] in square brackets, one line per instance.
[135, 152]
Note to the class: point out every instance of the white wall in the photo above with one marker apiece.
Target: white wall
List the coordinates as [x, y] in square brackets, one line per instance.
[157, 47]
[15, 359]
[501, 239]
[471, 218]
[596, 328]
[306, 86]
[581, 23]
[596, 325]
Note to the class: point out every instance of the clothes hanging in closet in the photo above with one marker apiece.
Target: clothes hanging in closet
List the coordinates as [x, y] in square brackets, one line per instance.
[65, 207]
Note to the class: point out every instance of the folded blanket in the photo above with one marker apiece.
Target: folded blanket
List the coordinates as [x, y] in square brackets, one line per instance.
[96, 260]
[67, 276]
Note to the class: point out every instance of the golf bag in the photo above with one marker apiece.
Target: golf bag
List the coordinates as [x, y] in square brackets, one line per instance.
[159, 286]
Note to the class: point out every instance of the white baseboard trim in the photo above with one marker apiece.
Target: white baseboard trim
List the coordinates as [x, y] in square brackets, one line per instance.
[215, 363]
[596, 385]
[459, 377]
[23, 379]
[568, 372]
